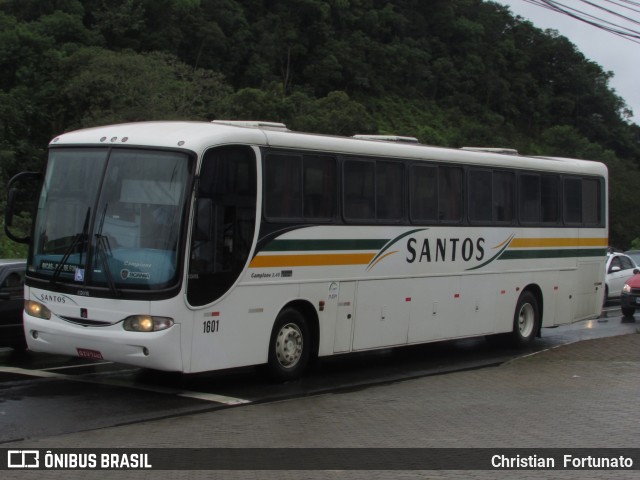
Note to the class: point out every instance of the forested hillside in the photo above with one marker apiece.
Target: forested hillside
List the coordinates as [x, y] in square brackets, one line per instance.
[450, 72]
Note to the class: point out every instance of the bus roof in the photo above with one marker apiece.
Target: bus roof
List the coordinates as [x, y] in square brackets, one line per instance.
[199, 136]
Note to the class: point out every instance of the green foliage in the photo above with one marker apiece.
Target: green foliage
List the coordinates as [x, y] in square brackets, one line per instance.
[21, 227]
[108, 87]
[334, 114]
[450, 72]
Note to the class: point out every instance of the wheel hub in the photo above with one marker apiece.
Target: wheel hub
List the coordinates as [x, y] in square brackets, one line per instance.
[289, 345]
[526, 320]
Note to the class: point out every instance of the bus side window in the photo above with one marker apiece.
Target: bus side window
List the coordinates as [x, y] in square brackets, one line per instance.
[359, 190]
[450, 194]
[549, 191]
[480, 195]
[319, 186]
[283, 189]
[590, 201]
[503, 196]
[529, 198]
[573, 200]
[423, 194]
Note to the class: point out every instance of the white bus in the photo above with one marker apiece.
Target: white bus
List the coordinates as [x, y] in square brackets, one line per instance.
[194, 246]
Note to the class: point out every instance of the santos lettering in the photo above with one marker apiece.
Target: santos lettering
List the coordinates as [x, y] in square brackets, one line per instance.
[445, 249]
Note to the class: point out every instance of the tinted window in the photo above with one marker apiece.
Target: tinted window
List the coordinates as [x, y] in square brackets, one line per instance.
[529, 198]
[503, 183]
[538, 198]
[389, 190]
[423, 187]
[299, 187]
[480, 195]
[450, 194]
[549, 194]
[359, 190]
[283, 186]
[319, 187]
[591, 201]
[490, 196]
[572, 200]
[224, 223]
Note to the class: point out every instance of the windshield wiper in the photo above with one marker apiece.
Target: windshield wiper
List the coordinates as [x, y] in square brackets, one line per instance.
[79, 238]
[103, 251]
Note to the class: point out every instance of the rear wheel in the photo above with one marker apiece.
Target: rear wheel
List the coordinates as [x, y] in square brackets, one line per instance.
[289, 347]
[526, 320]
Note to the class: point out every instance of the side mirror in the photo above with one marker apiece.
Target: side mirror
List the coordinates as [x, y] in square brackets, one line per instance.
[13, 194]
[202, 229]
[614, 269]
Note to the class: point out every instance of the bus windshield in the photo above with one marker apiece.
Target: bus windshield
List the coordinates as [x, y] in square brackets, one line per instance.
[110, 218]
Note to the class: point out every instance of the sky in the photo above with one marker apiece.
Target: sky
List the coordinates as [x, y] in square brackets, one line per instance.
[611, 52]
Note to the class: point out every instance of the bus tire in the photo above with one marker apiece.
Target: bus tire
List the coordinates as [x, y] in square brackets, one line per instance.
[526, 320]
[289, 346]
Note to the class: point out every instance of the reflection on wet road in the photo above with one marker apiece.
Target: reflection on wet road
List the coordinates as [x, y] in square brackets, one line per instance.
[43, 395]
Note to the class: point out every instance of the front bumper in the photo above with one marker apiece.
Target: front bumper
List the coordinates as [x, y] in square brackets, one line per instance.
[155, 350]
[630, 300]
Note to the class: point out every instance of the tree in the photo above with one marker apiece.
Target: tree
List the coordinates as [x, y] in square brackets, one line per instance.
[110, 87]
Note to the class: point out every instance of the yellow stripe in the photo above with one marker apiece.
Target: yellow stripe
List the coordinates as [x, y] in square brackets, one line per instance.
[314, 260]
[558, 242]
[382, 257]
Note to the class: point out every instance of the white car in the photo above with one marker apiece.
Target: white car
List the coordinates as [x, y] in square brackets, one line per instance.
[635, 256]
[620, 268]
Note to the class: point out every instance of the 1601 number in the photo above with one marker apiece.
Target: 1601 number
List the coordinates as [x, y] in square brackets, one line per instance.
[210, 326]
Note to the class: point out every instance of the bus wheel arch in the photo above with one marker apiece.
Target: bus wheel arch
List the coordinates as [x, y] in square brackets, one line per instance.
[527, 317]
[293, 341]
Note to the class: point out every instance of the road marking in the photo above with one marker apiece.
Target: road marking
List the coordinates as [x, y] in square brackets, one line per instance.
[212, 397]
[32, 373]
[208, 397]
[77, 366]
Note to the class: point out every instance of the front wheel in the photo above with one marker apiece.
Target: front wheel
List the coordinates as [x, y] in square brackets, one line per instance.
[526, 320]
[628, 311]
[289, 347]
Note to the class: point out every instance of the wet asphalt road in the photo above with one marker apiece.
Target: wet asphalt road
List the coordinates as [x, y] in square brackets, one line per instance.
[43, 395]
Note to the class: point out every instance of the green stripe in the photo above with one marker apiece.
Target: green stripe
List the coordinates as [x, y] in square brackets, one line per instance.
[392, 242]
[324, 245]
[506, 245]
[549, 253]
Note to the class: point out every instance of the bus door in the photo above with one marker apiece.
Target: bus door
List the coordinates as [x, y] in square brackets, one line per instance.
[345, 296]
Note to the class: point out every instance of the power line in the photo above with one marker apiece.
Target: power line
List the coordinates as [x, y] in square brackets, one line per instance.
[612, 24]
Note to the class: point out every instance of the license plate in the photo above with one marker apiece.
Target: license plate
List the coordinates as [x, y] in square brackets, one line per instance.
[637, 299]
[91, 354]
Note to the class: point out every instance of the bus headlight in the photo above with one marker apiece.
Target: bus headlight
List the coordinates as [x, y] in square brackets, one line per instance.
[146, 323]
[36, 309]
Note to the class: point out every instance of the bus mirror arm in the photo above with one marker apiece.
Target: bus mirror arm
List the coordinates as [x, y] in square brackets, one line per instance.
[204, 220]
[8, 212]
